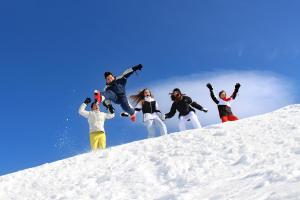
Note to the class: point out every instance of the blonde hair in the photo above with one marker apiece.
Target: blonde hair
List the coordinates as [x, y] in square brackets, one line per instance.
[139, 97]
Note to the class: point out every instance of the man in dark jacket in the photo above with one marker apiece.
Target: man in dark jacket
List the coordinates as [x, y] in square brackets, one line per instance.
[115, 90]
[185, 106]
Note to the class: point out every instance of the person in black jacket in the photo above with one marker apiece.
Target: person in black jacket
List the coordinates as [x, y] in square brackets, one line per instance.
[115, 91]
[223, 103]
[185, 106]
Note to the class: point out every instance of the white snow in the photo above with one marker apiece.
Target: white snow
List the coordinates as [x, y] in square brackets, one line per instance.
[254, 158]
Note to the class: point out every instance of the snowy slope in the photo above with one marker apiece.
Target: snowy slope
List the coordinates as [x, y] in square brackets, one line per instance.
[255, 158]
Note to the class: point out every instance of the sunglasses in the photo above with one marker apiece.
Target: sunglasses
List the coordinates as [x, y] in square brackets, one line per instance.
[175, 94]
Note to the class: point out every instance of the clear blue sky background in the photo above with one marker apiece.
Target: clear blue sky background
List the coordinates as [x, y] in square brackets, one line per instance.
[53, 54]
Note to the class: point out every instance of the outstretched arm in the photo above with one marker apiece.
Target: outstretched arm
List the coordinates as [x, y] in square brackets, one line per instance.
[172, 111]
[195, 104]
[212, 95]
[129, 72]
[236, 90]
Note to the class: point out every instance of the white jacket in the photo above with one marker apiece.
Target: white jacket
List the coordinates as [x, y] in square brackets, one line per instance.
[95, 118]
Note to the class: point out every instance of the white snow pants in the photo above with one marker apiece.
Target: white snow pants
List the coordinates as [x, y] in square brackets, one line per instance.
[183, 120]
[150, 124]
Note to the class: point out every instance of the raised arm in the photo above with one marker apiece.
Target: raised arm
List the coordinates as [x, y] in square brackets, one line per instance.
[236, 90]
[111, 111]
[82, 109]
[212, 95]
[129, 72]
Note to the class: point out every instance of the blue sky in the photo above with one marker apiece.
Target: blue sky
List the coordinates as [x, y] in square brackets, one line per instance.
[53, 54]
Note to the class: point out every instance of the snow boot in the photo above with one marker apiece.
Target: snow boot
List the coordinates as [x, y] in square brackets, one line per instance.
[124, 114]
[132, 117]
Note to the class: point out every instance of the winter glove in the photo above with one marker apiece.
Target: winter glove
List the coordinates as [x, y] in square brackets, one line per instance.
[204, 110]
[108, 106]
[209, 86]
[163, 117]
[87, 101]
[111, 109]
[137, 67]
[237, 86]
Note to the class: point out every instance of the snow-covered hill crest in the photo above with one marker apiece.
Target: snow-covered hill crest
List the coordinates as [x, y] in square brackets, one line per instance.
[254, 158]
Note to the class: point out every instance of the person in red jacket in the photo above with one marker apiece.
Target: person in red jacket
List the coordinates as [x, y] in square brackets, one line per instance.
[223, 103]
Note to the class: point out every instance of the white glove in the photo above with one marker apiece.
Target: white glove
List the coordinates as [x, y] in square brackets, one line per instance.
[161, 116]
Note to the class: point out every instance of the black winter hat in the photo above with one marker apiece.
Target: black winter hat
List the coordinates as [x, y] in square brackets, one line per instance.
[177, 90]
[106, 74]
[95, 102]
[172, 93]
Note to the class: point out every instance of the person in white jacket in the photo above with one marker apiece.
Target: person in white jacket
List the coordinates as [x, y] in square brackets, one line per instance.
[151, 115]
[96, 121]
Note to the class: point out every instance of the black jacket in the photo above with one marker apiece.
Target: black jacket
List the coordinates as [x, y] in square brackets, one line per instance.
[184, 107]
[118, 85]
[149, 106]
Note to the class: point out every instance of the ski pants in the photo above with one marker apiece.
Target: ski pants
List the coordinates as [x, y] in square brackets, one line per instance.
[151, 123]
[229, 118]
[118, 99]
[192, 117]
[98, 140]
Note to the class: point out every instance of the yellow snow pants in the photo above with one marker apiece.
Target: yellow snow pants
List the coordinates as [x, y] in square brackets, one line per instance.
[98, 140]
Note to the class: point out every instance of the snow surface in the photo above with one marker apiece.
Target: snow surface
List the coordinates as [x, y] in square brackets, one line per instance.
[254, 158]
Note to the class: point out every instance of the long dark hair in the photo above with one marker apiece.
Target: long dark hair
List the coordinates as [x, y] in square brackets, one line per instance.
[139, 97]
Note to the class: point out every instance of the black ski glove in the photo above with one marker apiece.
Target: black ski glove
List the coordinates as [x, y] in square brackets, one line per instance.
[237, 86]
[137, 67]
[111, 109]
[164, 117]
[209, 86]
[87, 101]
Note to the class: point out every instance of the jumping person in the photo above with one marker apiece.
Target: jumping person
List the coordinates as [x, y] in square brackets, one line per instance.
[115, 90]
[223, 103]
[185, 106]
[96, 121]
[151, 114]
